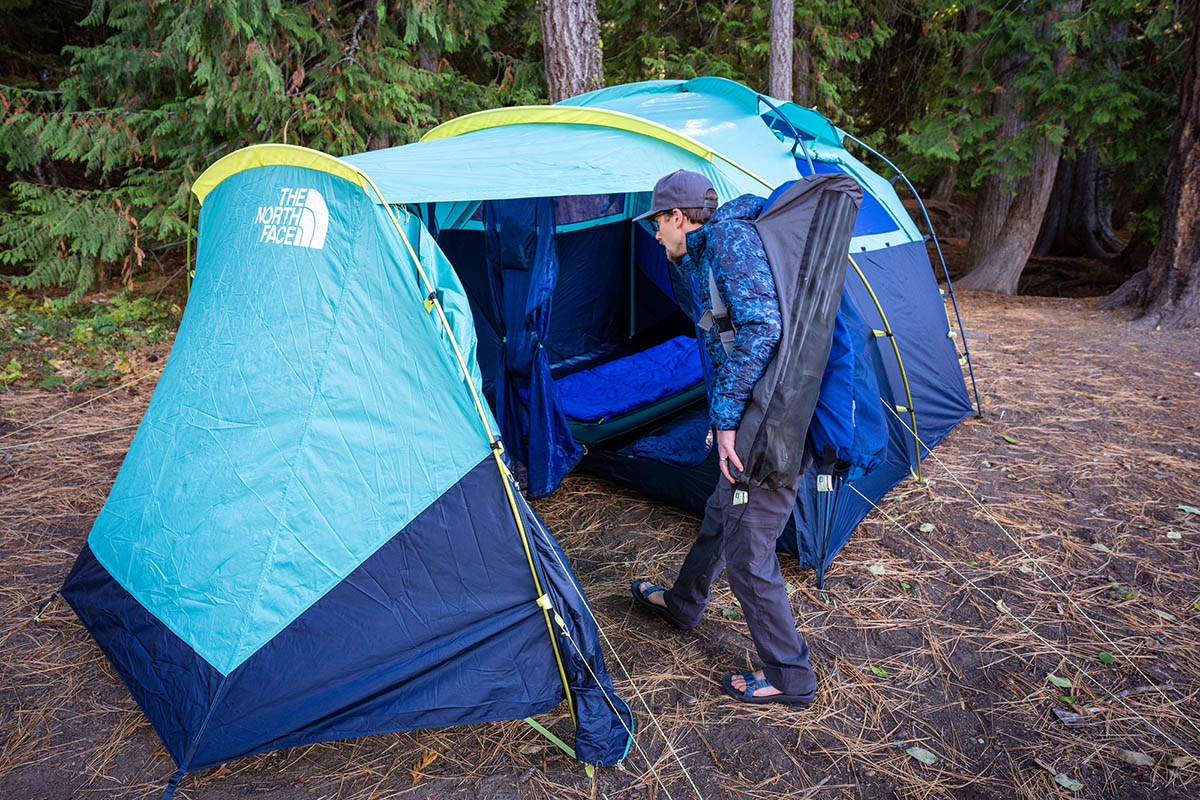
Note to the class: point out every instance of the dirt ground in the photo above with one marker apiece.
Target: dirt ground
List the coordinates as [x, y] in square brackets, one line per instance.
[1063, 524]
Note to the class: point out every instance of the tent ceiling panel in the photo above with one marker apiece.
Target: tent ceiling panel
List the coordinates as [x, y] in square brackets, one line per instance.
[538, 160]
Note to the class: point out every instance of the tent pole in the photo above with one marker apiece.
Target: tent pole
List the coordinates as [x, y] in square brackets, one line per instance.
[559, 743]
[632, 278]
[945, 269]
[887, 331]
[432, 304]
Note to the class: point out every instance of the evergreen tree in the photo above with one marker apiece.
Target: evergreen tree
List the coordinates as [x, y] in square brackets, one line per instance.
[834, 41]
[1002, 87]
[170, 87]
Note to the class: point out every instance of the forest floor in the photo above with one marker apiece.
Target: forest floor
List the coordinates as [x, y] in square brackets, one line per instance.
[937, 627]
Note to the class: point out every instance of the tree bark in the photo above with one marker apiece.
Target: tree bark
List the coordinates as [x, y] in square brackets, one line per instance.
[1079, 217]
[995, 194]
[1168, 289]
[999, 269]
[992, 201]
[943, 190]
[571, 47]
[779, 73]
[996, 264]
[802, 68]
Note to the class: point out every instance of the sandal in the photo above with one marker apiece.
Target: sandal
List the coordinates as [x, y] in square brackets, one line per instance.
[754, 684]
[643, 599]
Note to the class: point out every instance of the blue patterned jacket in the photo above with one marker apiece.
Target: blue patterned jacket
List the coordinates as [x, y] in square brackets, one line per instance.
[729, 245]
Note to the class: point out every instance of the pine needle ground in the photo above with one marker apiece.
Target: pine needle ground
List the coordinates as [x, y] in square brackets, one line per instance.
[1086, 454]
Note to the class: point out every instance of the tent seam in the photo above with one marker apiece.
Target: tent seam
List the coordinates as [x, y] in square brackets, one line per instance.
[258, 589]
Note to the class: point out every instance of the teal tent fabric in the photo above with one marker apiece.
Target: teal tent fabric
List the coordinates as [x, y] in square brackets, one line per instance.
[311, 536]
[316, 385]
[553, 159]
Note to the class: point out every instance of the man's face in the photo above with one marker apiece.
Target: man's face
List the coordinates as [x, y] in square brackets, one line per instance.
[671, 232]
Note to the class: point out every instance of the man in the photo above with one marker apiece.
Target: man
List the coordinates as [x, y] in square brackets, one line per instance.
[741, 522]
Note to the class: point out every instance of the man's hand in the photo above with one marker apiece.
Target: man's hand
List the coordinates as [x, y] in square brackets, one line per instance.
[727, 454]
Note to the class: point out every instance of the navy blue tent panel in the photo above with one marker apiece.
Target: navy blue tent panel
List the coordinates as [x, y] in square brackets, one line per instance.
[651, 259]
[439, 627]
[171, 683]
[904, 284]
[848, 422]
[873, 217]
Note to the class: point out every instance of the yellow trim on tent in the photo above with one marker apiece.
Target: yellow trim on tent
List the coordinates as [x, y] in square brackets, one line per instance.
[578, 115]
[268, 155]
[566, 115]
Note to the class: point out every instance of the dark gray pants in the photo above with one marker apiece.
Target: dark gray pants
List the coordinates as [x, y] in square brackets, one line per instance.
[741, 539]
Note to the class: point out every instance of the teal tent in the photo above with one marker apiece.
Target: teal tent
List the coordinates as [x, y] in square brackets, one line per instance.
[314, 534]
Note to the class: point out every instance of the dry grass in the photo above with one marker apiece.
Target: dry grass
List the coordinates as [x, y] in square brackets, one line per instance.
[1102, 422]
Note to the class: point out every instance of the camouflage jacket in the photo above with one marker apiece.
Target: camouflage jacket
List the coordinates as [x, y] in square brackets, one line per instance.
[730, 246]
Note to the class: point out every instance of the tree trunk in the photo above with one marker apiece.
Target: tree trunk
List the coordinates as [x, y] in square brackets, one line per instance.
[802, 68]
[999, 269]
[992, 201]
[1168, 289]
[571, 47]
[996, 264]
[943, 190]
[779, 74]
[995, 193]
[1079, 217]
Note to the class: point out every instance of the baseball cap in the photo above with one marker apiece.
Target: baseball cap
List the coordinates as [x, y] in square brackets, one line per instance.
[680, 189]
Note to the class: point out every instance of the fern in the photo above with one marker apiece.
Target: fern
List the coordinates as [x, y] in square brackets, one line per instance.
[103, 161]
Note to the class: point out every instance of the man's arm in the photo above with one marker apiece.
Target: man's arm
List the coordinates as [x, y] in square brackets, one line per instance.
[680, 286]
[748, 288]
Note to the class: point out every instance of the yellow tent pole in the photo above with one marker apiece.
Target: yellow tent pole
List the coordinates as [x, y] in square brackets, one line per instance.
[887, 331]
[432, 304]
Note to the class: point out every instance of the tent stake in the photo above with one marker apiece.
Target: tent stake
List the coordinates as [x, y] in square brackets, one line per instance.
[559, 743]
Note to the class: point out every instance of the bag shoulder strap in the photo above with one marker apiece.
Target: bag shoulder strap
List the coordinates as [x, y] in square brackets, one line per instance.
[719, 315]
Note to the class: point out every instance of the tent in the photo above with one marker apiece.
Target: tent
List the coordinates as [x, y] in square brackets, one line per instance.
[584, 352]
[314, 534]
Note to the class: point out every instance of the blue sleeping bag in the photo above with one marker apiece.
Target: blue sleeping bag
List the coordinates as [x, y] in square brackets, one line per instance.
[630, 383]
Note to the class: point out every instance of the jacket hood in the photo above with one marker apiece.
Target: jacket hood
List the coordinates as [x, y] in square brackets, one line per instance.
[746, 208]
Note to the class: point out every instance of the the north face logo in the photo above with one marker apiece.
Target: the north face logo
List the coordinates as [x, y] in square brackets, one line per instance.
[301, 219]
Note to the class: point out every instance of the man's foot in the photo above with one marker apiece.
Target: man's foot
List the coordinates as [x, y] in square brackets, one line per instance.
[752, 687]
[658, 596]
[653, 597]
[739, 682]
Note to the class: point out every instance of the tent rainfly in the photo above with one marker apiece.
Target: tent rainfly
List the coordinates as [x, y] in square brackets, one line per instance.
[314, 534]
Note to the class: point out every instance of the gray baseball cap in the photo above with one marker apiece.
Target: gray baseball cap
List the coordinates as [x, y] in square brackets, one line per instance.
[680, 189]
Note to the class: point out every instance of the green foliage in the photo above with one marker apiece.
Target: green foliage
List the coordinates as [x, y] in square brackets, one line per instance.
[730, 39]
[842, 37]
[1105, 76]
[102, 161]
[108, 111]
[81, 344]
